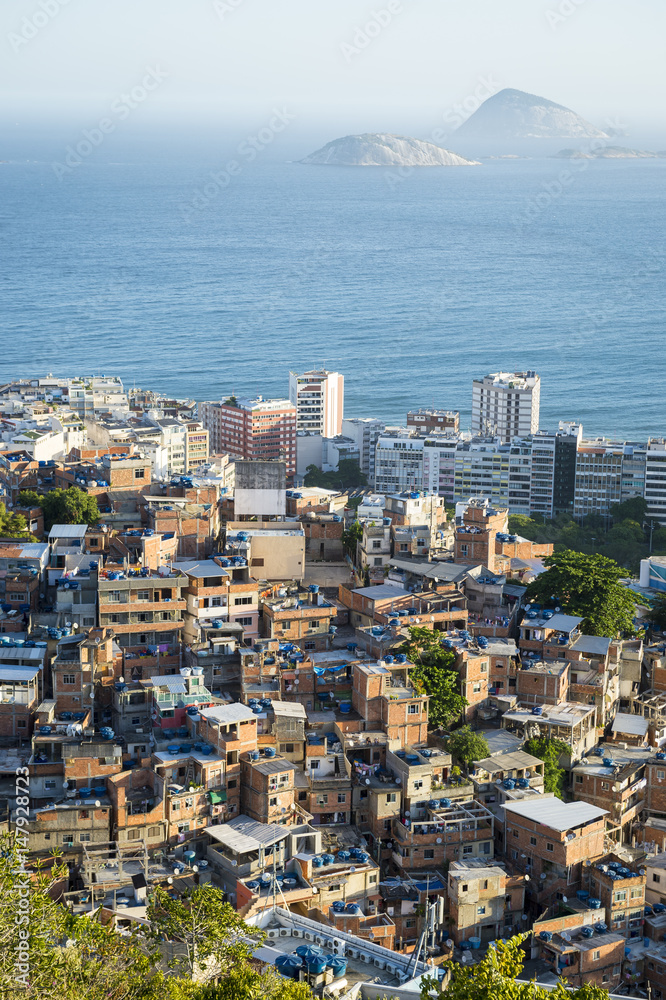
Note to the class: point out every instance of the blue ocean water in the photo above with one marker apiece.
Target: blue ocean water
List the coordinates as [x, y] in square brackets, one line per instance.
[411, 283]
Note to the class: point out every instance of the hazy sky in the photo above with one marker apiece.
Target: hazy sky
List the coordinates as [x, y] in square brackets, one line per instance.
[604, 58]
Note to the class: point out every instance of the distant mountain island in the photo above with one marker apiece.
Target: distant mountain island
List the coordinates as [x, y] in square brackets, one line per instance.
[382, 149]
[513, 114]
[607, 153]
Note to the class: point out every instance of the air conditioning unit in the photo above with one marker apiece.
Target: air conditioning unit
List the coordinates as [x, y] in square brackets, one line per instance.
[273, 933]
[284, 932]
[308, 935]
[297, 932]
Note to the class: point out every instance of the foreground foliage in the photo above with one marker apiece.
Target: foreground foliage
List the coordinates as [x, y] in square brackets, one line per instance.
[71, 957]
[550, 751]
[495, 978]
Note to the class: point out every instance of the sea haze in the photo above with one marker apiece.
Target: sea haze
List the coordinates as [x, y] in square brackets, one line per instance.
[410, 283]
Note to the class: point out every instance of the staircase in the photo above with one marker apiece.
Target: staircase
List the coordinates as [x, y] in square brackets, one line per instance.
[340, 769]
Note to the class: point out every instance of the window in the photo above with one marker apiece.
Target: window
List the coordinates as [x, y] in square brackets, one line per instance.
[139, 473]
[549, 847]
[322, 800]
[272, 802]
[183, 828]
[244, 621]
[515, 833]
[391, 797]
[480, 911]
[342, 797]
[467, 849]
[660, 775]
[84, 838]
[21, 724]
[604, 785]
[484, 668]
[579, 779]
[154, 831]
[49, 783]
[429, 854]
[314, 624]
[143, 595]
[412, 709]
[302, 796]
[68, 839]
[619, 897]
[377, 561]
[113, 597]
[69, 679]
[656, 878]
[257, 562]
[242, 600]
[533, 841]
[596, 955]
[418, 784]
[637, 893]
[376, 545]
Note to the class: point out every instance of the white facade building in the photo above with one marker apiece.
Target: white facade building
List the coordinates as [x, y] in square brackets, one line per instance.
[365, 432]
[506, 405]
[398, 461]
[655, 479]
[319, 398]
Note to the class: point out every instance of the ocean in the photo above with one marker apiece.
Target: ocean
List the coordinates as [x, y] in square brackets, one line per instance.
[411, 283]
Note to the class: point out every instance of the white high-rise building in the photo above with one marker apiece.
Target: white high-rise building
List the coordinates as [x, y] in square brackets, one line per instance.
[319, 397]
[506, 405]
[365, 432]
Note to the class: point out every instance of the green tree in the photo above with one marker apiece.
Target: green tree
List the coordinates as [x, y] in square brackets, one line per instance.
[549, 751]
[71, 506]
[243, 982]
[495, 977]
[434, 674]
[210, 937]
[588, 586]
[350, 537]
[12, 525]
[467, 746]
[69, 957]
[633, 509]
[347, 476]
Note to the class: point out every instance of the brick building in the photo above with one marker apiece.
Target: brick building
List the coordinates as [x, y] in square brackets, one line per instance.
[555, 839]
[253, 429]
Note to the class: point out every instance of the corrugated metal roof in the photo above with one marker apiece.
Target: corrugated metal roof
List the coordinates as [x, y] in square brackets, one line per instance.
[595, 645]
[243, 834]
[556, 814]
[225, 714]
[68, 531]
[632, 725]
[290, 708]
[21, 653]
[8, 673]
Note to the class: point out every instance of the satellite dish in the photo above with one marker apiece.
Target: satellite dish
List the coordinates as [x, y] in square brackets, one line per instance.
[195, 868]
[390, 844]
[565, 936]
[408, 814]
[169, 881]
[542, 875]
[398, 781]
[565, 899]
[97, 803]
[439, 840]
[527, 878]
[352, 869]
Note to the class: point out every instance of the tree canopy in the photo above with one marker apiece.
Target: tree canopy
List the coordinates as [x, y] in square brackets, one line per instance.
[70, 956]
[625, 536]
[467, 746]
[12, 525]
[347, 476]
[434, 674]
[71, 506]
[587, 586]
[495, 977]
[549, 751]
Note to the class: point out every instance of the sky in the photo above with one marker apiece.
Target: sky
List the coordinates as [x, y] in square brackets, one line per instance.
[395, 65]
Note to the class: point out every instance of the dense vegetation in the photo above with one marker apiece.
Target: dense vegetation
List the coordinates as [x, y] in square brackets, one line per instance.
[624, 536]
[467, 746]
[550, 751]
[495, 977]
[434, 674]
[12, 525]
[72, 506]
[71, 957]
[347, 476]
[587, 586]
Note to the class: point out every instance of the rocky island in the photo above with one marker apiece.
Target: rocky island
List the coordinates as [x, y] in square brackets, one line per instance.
[607, 153]
[513, 114]
[382, 149]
